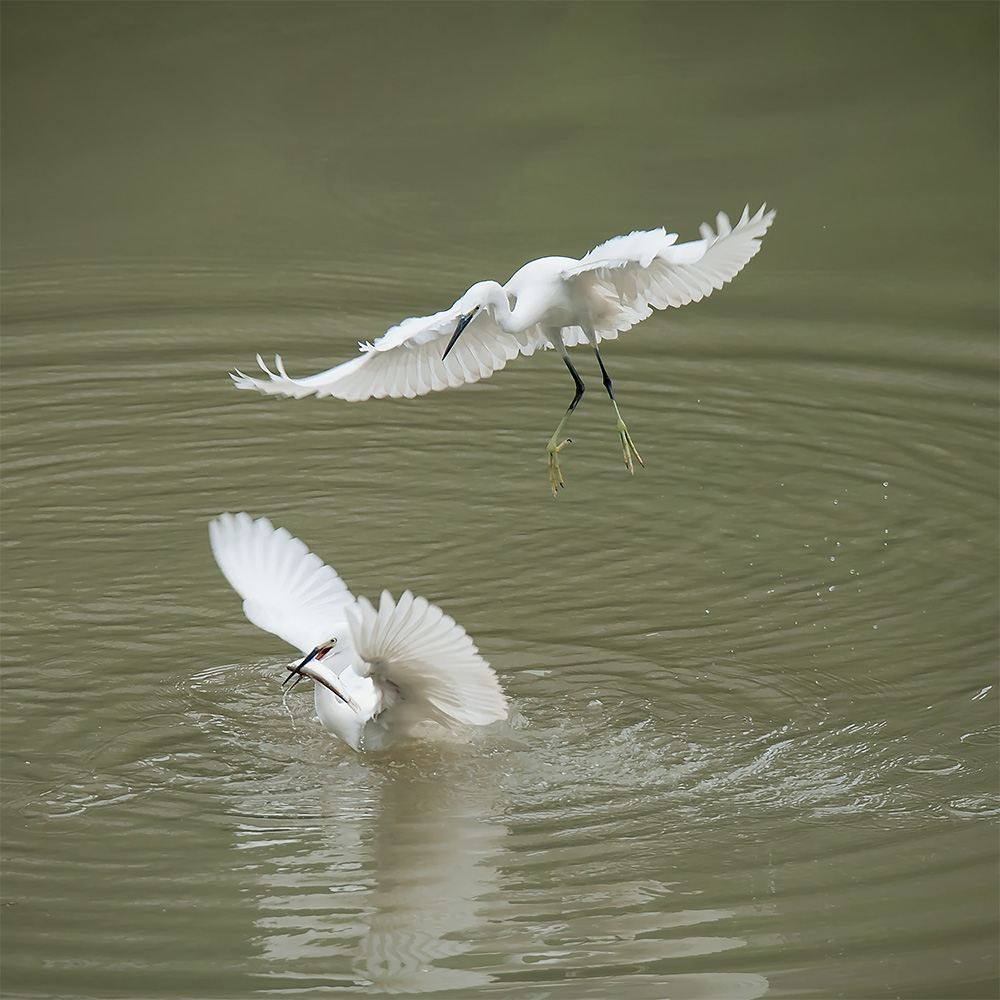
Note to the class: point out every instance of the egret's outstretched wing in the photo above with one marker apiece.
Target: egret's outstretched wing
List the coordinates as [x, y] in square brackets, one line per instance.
[407, 360]
[424, 664]
[630, 276]
[285, 588]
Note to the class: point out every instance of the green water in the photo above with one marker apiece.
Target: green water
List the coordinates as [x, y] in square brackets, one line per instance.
[754, 745]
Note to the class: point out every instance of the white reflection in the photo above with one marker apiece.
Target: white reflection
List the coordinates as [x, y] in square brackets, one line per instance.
[434, 860]
[382, 891]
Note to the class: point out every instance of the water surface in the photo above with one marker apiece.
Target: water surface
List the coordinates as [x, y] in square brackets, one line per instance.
[754, 742]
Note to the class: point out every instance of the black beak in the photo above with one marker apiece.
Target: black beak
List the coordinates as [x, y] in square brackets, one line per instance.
[463, 322]
[296, 672]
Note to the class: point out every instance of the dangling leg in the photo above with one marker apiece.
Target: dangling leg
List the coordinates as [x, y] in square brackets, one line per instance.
[554, 448]
[627, 447]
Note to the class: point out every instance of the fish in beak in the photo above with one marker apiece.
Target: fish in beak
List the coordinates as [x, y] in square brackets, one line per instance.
[317, 654]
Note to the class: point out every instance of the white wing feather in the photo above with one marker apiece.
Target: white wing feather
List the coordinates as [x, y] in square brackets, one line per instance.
[406, 361]
[286, 589]
[623, 280]
[643, 271]
[424, 663]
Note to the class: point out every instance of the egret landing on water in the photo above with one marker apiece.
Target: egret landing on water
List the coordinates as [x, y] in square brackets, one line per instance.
[400, 670]
[555, 302]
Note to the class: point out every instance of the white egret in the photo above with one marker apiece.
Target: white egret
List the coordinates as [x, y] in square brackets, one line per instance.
[401, 670]
[555, 302]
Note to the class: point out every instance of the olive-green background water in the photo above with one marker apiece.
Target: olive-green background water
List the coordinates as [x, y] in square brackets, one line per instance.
[754, 749]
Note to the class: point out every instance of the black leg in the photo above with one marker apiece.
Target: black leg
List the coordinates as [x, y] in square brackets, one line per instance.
[604, 372]
[628, 449]
[555, 446]
[580, 387]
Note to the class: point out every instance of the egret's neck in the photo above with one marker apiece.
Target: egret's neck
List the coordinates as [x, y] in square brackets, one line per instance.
[341, 719]
[499, 305]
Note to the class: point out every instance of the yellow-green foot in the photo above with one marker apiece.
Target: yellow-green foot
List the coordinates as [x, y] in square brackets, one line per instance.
[628, 448]
[555, 476]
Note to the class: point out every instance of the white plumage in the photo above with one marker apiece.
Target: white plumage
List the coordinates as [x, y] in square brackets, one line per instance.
[555, 302]
[381, 674]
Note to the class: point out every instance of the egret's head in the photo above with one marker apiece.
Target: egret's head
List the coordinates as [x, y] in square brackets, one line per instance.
[470, 304]
[477, 296]
[323, 648]
[317, 654]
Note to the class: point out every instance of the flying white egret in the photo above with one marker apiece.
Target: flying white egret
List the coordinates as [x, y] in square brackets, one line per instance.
[382, 674]
[555, 302]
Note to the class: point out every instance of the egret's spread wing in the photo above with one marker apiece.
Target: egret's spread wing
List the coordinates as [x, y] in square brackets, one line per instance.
[423, 663]
[407, 360]
[630, 276]
[285, 588]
